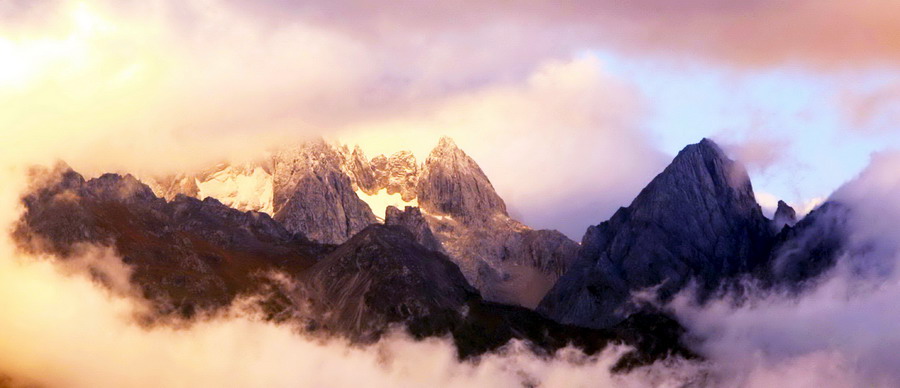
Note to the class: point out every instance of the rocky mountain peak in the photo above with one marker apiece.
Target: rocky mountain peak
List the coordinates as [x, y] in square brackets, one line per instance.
[446, 143]
[698, 221]
[706, 163]
[701, 177]
[452, 183]
[398, 174]
[360, 171]
[784, 215]
[313, 195]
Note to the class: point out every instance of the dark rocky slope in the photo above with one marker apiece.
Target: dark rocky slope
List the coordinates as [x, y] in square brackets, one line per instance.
[412, 219]
[697, 221]
[382, 277]
[808, 249]
[189, 256]
[185, 255]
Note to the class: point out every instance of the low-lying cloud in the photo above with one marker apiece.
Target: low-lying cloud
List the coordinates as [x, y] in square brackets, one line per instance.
[159, 87]
[840, 333]
[60, 328]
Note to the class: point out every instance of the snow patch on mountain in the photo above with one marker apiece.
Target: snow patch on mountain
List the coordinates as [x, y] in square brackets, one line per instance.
[239, 188]
[380, 201]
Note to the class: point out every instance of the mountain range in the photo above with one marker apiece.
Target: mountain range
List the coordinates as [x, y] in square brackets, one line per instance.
[320, 236]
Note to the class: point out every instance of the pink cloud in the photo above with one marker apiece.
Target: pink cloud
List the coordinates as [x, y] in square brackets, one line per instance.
[829, 33]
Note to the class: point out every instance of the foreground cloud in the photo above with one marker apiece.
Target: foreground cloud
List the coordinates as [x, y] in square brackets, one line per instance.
[840, 333]
[61, 329]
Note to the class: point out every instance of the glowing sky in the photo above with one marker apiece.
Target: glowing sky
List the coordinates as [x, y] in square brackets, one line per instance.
[570, 109]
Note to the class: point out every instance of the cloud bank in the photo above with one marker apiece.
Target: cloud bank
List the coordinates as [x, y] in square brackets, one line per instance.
[156, 87]
[60, 328]
[842, 332]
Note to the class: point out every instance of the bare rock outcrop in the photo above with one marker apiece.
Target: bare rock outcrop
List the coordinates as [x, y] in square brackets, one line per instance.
[312, 195]
[697, 221]
[411, 218]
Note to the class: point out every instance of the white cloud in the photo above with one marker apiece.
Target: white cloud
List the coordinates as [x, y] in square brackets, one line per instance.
[841, 333]
[564, 148]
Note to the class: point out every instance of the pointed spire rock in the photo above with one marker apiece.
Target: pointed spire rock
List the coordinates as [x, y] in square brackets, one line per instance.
[698, 221]
[452, 183]
[360, 171]
[784, 216]
[401, 175]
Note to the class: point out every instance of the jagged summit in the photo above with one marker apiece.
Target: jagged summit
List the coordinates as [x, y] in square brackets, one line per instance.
[359, 169]
[453, 184]
[329, 192]
[398, 173]
[784, 216]
[446, 142]
[313, 195]
[698, 221]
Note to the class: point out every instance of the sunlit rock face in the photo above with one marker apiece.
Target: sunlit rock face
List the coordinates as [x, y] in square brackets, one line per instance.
[313, 196]
[328, 193]
[246, 186]
[697, 221]
[503, 258]
[452, 184]
[398, 174]
[359, 169]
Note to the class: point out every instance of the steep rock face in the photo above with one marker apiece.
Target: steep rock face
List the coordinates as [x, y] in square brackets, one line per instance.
[453, 184]
[382, 276]
[411, 218]
[185, 255]
[507, 261]
[402, 175]
[546, 250]
[784, 216]
[397, 174]
[313, 196]
[360, 171]
[696, 221]
[321, 191]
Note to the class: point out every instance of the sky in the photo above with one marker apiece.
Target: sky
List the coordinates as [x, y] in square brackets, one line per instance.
[570, 109]
[814, 141]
